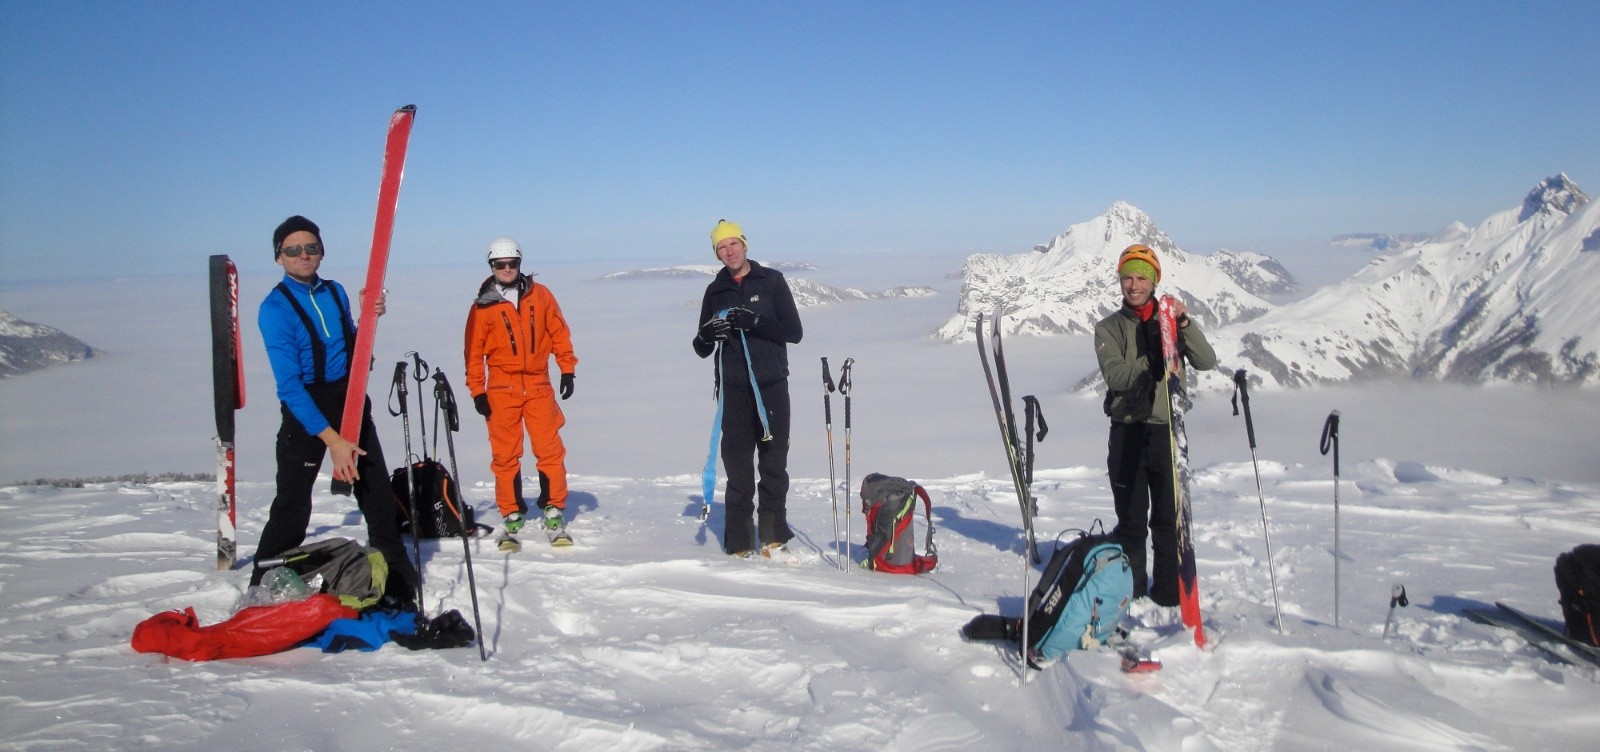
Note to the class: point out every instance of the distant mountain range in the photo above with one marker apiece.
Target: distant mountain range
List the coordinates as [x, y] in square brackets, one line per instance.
[1510, 300]
[27, 347]
[1513, 299]
[807, 292]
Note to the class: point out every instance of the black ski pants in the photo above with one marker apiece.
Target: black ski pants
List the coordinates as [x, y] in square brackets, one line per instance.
[1139, 461]
[300, 459]
[743, 452]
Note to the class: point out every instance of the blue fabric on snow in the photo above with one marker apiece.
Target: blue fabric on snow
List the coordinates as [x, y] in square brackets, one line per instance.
[366, 633]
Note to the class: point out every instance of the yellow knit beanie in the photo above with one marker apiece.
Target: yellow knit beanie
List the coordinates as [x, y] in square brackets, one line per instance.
[725, 230]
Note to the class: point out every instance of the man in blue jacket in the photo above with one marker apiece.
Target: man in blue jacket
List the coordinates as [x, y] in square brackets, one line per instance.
[307, 328]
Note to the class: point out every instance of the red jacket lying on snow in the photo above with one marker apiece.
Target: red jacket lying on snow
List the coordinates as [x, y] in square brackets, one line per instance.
[258, 630]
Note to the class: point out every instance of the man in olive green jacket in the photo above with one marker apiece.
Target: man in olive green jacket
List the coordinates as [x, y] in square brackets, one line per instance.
[1139, 452]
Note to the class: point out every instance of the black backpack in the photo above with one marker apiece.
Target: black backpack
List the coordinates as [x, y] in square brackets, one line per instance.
[438, 501]
[1578, 580]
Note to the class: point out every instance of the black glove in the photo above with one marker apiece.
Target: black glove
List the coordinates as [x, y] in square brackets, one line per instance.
[448, 630]
[743, 319]
[566, 385]
[480, 403]
[714, 330]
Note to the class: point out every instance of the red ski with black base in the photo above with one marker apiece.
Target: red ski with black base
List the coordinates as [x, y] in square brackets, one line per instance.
[394, 161]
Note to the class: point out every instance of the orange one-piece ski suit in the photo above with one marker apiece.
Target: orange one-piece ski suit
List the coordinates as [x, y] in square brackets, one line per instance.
[508, 350]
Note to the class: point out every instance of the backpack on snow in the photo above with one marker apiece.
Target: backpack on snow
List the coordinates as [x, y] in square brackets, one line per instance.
[1081, 598]
[890, 504]
[438, 501]
[1578, 580]
[353, 573]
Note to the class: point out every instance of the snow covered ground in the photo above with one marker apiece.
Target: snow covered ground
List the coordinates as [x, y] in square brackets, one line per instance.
[643, 636]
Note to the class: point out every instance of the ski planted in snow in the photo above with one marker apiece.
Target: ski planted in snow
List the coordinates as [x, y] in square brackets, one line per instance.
[227, 386]
[394, 160]
[1000, 394]
[1188, 577]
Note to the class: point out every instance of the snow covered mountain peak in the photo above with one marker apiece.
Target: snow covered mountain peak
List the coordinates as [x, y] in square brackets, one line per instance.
[1509, 300]
[1067, 285]
[1555, 194]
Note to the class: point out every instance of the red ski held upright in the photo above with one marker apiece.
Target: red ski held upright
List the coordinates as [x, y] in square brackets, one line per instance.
[1188, 577]
[394, 160]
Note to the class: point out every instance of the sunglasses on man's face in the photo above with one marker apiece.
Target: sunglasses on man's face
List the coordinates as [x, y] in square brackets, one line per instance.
[309, 249]
[506, 264]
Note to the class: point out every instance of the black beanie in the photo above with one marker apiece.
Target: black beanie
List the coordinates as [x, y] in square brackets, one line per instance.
[291, 226]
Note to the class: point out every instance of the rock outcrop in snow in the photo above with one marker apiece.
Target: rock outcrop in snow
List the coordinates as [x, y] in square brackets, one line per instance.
[1068, 284]
[26, 346]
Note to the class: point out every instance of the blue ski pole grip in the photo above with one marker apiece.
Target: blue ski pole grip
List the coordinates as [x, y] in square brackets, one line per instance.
[1330, 438]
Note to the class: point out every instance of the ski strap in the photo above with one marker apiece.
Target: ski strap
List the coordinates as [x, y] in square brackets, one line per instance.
[398, 386]
[708, 476]
[750, 368]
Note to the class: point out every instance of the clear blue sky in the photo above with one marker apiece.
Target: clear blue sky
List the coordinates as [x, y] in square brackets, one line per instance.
[143, 136]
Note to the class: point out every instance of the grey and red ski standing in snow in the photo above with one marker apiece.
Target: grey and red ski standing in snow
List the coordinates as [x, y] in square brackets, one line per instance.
[227, 383]
[394, 161]
[1177, 394]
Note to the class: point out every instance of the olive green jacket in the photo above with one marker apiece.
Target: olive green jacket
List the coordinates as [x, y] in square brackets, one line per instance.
[1132, 393]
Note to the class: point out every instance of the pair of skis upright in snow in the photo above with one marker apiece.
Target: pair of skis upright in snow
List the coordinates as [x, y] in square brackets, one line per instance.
[1019, 458]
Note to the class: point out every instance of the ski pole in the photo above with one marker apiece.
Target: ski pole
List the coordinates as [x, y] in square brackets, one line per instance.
[845, 385]
[1241, 393]
[1032, 411]
[1397, 597]
[1330, 437]
[401, 390]
[445, 399]
[833, 490]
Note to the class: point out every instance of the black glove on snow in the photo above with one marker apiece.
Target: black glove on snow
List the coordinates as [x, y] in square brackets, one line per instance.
[566, 385]
[448, 630]
[714, 330]
[743, 319]
[481, 404]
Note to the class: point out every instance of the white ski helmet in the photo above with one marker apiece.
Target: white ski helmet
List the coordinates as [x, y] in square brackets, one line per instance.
[504, 248]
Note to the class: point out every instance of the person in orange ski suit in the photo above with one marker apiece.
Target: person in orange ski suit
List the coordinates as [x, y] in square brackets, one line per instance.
[513, 328]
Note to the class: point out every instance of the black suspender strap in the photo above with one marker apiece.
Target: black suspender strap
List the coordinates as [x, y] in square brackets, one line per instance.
[319, 350]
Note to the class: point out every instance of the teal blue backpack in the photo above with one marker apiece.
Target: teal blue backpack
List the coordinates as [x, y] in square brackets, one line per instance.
[1081, 598]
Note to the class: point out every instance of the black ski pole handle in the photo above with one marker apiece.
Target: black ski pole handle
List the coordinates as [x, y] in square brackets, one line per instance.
[827, 378]
[1033, 411]
[827, 384]
[1241, 393]
[1397, 596]
[844, 376]
[419, 367]
[1330, 438]
[398, 386]
[446, 400]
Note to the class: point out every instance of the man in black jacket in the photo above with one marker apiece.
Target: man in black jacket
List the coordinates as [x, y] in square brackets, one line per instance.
[748, 310]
